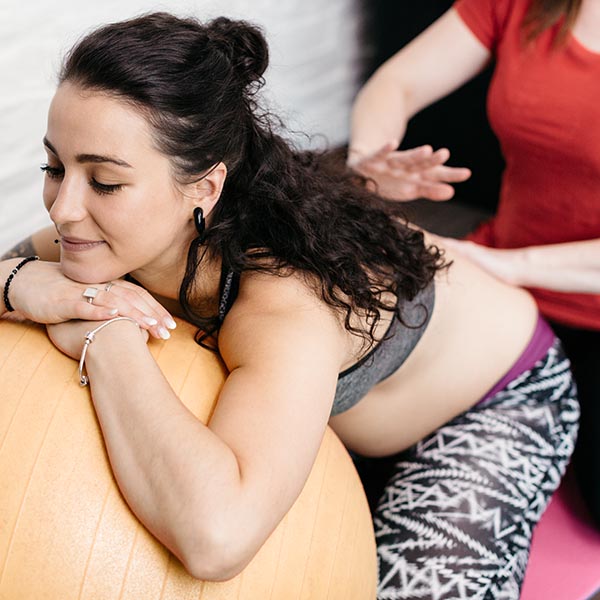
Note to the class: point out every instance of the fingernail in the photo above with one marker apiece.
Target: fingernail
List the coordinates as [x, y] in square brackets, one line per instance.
[150, 321]
[170, 323]
[164, 334]
[113, 311]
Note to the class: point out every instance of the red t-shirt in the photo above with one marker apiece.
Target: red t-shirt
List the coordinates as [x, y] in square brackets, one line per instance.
[544, 106]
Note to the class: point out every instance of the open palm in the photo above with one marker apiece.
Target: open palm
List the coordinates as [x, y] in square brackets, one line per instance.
[409, 174]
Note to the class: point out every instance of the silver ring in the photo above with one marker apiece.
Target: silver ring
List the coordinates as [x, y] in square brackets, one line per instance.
[90, 293]
[108, 286]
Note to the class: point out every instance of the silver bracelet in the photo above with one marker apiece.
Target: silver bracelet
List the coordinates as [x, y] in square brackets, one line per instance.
[89, 338]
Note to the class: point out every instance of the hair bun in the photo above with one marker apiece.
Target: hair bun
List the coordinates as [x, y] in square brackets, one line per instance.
[244, 44]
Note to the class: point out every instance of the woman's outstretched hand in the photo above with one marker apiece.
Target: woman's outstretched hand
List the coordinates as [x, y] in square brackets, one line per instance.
[504, 264]
[41, 293]
[408, 174]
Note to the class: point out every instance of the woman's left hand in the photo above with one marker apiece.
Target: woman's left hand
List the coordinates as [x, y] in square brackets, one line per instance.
[69, 336]
[406, 175]
[505, 264]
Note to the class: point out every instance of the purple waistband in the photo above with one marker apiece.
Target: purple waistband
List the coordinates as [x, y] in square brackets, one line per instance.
[539, 344]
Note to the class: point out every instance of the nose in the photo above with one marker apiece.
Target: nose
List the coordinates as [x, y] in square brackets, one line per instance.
[68, 205]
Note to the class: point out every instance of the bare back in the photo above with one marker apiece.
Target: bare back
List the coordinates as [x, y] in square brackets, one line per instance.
[478, 329]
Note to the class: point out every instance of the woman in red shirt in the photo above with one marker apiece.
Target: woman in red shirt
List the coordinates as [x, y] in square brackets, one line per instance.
[543, 106]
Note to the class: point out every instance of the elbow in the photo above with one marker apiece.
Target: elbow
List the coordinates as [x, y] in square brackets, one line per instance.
[214, 567]
[216, 554]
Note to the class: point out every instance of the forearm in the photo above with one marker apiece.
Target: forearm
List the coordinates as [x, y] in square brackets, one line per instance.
[438, 61]
[380, 112]
[177, 476]
[570, 267]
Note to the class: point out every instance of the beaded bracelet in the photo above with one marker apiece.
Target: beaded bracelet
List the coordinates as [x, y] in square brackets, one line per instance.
[89, 338]
[9, 306]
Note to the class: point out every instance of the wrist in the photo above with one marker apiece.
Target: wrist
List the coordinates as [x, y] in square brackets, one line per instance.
[522, 264]
[112, 342]
[354, 155]
[117, 337]
[6, 266]
[10, 272]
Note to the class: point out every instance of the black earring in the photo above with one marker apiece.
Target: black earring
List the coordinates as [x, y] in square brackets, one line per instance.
[199, 222]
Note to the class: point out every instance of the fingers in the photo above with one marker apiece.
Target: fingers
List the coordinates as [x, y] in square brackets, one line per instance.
[427, 163]
[135, 302]
[450, 174]
[128, 300]
[435, 184]
[359, 159]
[382, 152]
[433, 175]
[80, 309]
[400, 163]
[438, 192]
[408, 174]
[416, 158]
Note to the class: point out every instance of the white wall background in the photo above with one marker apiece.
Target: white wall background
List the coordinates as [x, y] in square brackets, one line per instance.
[311, 81]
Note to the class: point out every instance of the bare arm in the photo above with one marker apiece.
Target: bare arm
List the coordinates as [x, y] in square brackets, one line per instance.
[441, 59]
[43, 294]
[572, 267]
[213, 494]
[40, 243]
[569, 267]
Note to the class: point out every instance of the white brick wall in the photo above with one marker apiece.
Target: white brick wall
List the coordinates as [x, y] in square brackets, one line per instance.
[311, 81]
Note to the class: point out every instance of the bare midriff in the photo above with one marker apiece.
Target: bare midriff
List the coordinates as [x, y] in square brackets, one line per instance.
[479, 328]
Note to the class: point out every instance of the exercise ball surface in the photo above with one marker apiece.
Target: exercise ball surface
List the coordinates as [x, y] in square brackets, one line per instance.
[66, 532]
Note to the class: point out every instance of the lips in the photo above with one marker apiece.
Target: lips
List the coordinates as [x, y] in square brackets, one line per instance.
[78, 245]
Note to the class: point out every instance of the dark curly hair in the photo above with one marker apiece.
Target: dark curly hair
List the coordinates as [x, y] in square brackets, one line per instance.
[281, 210]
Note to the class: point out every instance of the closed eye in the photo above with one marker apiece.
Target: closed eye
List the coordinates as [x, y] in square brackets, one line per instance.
[99, 188]
[53, 172]
[105, 188]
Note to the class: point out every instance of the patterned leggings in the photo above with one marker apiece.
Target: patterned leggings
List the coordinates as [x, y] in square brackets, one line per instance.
[456, 518]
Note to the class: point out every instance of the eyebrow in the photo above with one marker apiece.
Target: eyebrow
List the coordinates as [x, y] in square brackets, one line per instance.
[91, 158]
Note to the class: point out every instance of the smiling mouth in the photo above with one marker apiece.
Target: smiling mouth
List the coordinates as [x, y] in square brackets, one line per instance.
[77, 245]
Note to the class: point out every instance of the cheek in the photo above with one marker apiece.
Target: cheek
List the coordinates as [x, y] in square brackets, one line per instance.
[161, 216]
[132, 231]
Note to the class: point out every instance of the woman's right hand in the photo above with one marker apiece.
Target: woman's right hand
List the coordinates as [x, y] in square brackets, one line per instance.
[41, 293]
[408, 174]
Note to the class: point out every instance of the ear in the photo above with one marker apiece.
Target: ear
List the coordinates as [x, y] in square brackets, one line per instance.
[206, 191]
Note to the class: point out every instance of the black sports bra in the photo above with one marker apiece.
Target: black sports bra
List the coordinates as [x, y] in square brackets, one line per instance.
[381, 361]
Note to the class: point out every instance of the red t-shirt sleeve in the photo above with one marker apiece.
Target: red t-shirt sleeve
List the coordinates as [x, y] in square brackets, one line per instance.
[487, 19]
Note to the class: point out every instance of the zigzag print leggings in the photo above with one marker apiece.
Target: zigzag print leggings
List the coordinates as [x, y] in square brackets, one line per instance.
[455, 520]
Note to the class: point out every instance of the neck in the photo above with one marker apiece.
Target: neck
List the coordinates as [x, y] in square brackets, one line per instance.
[587, 25]
[164, 284]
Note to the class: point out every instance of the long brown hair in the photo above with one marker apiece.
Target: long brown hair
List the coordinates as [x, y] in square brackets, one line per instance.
[545, 13]
[281, 209]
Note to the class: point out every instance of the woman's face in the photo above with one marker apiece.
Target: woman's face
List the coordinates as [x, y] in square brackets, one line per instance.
[111, 193]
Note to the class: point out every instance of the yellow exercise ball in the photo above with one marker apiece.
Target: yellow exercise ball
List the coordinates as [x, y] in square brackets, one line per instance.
[66, 532]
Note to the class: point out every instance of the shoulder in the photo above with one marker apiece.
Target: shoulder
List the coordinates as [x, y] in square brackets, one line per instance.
[282, 317]
[490, 20]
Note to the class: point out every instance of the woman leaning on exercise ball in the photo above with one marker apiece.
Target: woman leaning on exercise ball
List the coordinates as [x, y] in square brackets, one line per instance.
[171, 193]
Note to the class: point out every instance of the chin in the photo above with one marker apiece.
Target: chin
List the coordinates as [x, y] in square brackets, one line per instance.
[87, 273]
